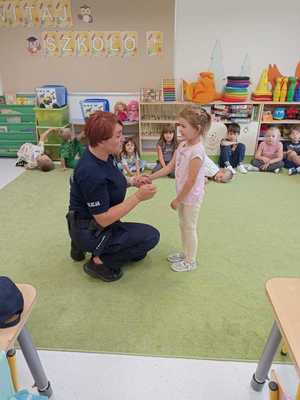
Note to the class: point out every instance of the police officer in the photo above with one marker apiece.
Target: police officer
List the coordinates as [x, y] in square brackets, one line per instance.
[97, 203]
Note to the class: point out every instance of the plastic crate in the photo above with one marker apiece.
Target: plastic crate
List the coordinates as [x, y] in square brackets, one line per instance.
[89, 106]
[52, 117]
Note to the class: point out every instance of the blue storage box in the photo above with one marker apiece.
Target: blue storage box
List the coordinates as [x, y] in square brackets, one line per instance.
[89, 106]
[51, 96]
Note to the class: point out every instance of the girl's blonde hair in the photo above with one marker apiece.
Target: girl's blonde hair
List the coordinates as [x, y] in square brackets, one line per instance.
[276, 130]
[197, 118]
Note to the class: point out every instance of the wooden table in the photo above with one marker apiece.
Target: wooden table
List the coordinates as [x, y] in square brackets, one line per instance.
[284, 296]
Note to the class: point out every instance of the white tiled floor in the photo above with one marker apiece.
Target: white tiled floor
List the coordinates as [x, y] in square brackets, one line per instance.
[82, 376]
[8, 171]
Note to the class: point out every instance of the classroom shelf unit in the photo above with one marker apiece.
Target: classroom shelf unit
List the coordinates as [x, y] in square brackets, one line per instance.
[154, 115]
[17, 126]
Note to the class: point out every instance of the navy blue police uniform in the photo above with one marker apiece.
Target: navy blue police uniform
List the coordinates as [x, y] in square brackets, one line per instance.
[97, 186]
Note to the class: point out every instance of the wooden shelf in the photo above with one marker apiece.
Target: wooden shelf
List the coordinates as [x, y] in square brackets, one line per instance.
[282, 121]
[150, 137]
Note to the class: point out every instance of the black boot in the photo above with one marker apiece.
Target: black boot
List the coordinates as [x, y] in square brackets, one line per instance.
[76, 254]
[102, 271]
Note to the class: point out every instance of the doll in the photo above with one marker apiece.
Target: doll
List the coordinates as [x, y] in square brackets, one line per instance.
[121, 111]
[133, 110]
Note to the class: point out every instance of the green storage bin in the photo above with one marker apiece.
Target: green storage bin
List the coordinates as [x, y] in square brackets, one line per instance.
[52, 117]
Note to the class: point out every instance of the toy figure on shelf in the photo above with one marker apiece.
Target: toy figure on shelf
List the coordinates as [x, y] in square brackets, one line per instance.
[203, 91]
[283, 91]
[121, 111]
[297, 70]
[267, 116]
[292, 113]
[276, 93]
[297, 91]
[291, 90]
[133, 111]
[273, 74]
[262, 91]
[279, 113]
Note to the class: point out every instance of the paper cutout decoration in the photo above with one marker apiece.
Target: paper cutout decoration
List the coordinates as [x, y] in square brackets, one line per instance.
[67, 43]
[114, 44]
[216, 66]
[38, 13]
[85, 14]
[129, 41]
[154, 43]
[51, 43]
[98, 41]
[83, 43]
[33, 45]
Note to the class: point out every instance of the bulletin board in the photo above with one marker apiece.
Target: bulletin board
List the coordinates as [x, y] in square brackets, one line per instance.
[21, 70]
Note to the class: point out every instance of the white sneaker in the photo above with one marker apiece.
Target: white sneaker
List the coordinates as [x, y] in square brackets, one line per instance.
[252, 168]
[242, 169]
[175, 257]
[184, 266]
[231, 169]
[276, 171]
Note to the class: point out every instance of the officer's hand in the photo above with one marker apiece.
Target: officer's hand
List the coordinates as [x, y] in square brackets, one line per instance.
[140, 180]
[146, 192]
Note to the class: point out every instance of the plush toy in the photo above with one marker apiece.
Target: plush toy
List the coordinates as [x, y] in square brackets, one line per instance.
[292, 113]
[203, 91]
[133, 111]
[267, 116]
[121, 111]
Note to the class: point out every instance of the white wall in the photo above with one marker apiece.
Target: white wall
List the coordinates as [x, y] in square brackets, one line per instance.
[268, 31]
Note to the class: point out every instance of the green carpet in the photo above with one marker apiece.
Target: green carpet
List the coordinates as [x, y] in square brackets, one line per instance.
[249, 232]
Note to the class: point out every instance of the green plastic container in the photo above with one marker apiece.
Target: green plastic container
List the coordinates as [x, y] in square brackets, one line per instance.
[52, 117]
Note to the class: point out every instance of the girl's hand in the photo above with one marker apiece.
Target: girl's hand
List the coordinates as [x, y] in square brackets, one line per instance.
[265, 166]
[140, 180]
[174, 204]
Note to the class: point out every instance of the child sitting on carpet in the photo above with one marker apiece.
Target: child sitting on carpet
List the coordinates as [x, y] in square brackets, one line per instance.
[71, 149]
[269, 154]
[291, 151]
[213, 172]
[232, 152]
[32, 156]
[188, 162]
[130, 160]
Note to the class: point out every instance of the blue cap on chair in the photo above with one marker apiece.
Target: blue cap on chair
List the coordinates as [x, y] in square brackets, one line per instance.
[11, 303]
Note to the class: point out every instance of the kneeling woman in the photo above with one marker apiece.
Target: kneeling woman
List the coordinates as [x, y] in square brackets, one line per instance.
[97, 203]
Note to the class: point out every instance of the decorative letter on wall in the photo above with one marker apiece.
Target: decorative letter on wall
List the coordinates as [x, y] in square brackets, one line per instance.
[129, 40]
[98, 47]
[38, 13]
[154, 43]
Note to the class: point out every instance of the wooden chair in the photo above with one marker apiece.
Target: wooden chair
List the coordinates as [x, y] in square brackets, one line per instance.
[284, 296]
[8, 337]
